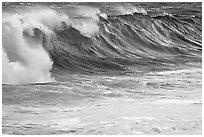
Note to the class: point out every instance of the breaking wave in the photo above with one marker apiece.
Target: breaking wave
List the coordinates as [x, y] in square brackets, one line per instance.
[37, 41]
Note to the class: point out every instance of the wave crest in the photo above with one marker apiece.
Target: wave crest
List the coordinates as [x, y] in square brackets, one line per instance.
[85, 39]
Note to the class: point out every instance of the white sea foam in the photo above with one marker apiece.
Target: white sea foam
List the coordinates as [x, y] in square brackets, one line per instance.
[47, 17]
[86, 28]
[129, 9]
[179, 71]
[177, 101]
[24, 58]
[87, 21]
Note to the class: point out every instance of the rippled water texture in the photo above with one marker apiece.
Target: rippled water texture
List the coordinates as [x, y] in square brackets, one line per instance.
[102, 68]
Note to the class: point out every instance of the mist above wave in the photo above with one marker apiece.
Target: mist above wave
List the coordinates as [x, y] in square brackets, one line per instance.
[24, 58]
[27, 34]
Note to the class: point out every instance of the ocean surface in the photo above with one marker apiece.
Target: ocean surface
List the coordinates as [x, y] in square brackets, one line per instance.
[102, 68]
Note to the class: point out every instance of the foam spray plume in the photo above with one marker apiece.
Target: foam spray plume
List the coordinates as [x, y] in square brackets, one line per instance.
[26, 38]
[24, 58]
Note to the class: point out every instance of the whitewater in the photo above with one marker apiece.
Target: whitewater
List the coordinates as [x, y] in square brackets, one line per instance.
[101, 68]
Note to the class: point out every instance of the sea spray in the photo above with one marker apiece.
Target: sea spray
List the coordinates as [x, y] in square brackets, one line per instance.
[24, 61]
[87, 20]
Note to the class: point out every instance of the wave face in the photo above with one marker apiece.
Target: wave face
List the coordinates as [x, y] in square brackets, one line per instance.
[90, 38]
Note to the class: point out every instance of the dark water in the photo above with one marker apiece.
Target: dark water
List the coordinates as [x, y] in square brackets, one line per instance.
[149, 42]
[69, 53]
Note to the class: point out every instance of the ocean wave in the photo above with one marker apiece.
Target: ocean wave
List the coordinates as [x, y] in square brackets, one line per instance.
[85, 39]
